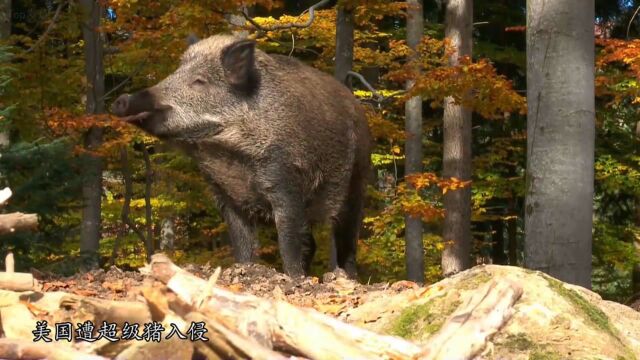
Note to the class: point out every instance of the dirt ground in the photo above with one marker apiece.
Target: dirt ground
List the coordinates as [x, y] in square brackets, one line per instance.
[331, 294]
[256, 279]
[549, 320]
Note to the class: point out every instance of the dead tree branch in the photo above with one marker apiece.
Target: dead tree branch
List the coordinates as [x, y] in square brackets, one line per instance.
[364, 82]
[312, 16]
[135, 72]
[631, 21]
[51, 26]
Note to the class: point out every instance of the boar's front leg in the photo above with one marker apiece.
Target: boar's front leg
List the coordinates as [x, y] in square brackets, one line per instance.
[282, 192]
[242, 234]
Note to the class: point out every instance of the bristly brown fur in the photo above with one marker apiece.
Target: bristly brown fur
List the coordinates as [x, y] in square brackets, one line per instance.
[294, 150]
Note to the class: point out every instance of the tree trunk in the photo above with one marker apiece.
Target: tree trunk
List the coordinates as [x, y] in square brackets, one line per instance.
[414, 247]
[92, 186]
[560, 140]
[344, 44]
[237, 23]
[168, 234]
[128, 194]
[635, 274]
[457, 148]
[512, 231]
[497, 243]
[148, 175]
[5, 32]
[5, 19]
[343, 64]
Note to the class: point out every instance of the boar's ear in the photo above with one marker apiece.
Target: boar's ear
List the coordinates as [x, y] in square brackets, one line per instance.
[238, 61]
[192, 39]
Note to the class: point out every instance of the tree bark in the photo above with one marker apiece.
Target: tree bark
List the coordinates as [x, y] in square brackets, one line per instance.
[128, 194]
[497, 244]
[457, 148]
[92, 186]
[237, 23]
[512, 231]
[5, 32]
[635, 272]
[5, 19]
[344, 44]
[560, 140]
[148, 175]
[414, 247]
[343, 64]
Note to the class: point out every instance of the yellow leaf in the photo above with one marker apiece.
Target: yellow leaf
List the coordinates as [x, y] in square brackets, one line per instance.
[331, 309]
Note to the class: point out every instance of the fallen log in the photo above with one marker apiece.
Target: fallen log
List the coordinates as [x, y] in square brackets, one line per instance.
[18, 349]
[466, 332]
[172, 349]
[117, 312]
[223, 342]
[279, 325]
[18, 221]
[17, 281]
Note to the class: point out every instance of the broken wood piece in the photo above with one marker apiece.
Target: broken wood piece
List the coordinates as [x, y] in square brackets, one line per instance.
[9, 263]
[247, 347]
[117, 312]
[167, 349]
[18, 349]
[278, 324]
[17, 281]
[5, 194]
[394, 347]
[17, 322]
[17, 221]
[466, 332]
[223, 343]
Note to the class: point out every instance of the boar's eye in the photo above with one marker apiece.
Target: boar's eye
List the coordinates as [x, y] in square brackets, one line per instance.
[199, 81]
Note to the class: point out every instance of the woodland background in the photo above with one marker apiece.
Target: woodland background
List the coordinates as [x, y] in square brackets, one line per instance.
[57, 140]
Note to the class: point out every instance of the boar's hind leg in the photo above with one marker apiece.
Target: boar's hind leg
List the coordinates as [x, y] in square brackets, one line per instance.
[346, 229]
[242, 234]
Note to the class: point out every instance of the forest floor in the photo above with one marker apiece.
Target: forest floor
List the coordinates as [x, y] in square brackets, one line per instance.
[331, 294]
[511, 313]
[256, 279]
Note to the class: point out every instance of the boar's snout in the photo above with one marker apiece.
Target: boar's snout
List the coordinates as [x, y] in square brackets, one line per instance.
[137, 103]
[121, 105]
[141, 109]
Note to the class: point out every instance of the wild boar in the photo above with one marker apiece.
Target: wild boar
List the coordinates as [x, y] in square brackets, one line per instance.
[279, 141]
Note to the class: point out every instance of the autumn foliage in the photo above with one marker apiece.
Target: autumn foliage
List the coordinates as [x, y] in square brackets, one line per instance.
[143, 44]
